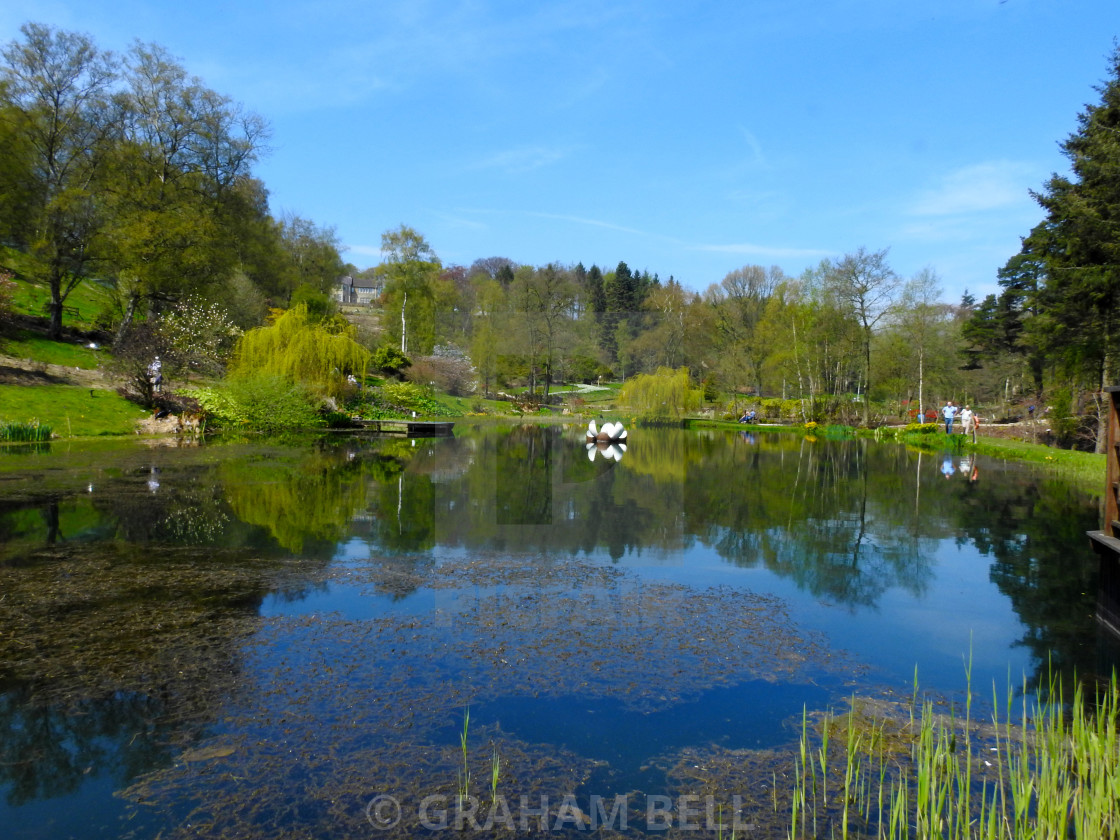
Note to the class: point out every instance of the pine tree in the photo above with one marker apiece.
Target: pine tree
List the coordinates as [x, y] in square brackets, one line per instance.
[1078, 243]
[1074, 253]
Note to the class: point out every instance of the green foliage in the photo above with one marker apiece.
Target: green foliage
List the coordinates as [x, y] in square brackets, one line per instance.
[1062, 420]
[775, 409]
[217, 404]
[662, 395]
[389, 360]
[30, 432]
[295, 348]
[7, 294]
[318, 304]
[411, 270]
[921, 428]
[337, 419]
[57, 91]
[271, 404]
[313, 262]
[711, 390]
[412, 397]
[404, 394]
[584, 368]
[261, 403]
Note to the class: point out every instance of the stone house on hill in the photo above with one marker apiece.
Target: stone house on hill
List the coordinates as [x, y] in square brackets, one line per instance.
[358, 292]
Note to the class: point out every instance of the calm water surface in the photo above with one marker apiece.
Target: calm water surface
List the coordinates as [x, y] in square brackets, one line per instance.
[257, 640]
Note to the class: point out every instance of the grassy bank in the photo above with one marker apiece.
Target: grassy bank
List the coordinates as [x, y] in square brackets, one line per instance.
[70, 410]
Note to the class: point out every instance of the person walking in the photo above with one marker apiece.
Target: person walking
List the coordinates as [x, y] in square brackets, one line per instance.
[155, 375]
[966, 420]
[949, 412]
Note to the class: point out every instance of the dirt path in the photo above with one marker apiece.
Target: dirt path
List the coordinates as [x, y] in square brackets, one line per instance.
[15, 371]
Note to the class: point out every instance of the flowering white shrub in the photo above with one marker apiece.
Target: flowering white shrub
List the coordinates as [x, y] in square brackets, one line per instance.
[201, 335]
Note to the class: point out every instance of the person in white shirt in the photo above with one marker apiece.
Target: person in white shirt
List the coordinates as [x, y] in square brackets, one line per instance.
[966, 420]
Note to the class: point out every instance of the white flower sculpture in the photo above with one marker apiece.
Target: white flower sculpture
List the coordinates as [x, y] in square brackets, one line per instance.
[609, 439]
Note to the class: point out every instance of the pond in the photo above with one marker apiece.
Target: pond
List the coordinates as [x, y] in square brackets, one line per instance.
[339, 637]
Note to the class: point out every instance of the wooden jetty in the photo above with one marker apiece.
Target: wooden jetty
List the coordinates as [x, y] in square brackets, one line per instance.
[1106, 542]
[407, 428]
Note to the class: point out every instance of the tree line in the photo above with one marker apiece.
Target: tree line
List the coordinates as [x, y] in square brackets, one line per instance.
[846, 328]
[129, 170]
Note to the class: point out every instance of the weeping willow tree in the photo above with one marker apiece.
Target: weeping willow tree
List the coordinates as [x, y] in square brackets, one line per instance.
[665, 395]
[318, 354]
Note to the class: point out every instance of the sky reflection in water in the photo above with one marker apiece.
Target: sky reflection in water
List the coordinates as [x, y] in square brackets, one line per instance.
[619, 612]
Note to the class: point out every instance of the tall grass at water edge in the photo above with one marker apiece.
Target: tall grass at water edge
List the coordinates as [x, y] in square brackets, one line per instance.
[1052, 773]
[33, 432]
[464, 789]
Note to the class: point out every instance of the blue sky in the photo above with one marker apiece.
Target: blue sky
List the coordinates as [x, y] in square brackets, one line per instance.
[686, 138]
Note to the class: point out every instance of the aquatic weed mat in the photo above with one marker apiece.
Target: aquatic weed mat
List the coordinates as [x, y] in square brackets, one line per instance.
[251, 789]
[81, 620]
[334, 711]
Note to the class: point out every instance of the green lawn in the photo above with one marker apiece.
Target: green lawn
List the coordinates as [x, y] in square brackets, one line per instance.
[70, 410]
[28, 345]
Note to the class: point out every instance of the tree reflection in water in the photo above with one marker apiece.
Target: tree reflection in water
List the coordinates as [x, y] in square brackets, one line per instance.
[127, 609]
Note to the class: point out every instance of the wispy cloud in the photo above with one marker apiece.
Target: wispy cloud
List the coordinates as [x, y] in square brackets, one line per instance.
[364, 250]
[459, 221]
[592, 223]
[994, 185]
[757, 158]
[749, 248]
[524, 159]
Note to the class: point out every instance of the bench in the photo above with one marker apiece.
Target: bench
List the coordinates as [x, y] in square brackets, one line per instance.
[72, 311]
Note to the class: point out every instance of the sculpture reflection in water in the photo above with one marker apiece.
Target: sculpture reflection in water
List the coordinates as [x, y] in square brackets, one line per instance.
[609, 441]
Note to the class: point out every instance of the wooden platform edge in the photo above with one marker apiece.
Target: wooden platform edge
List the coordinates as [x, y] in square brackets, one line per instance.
[1107, 549]
[1103, 542]
[408, 428]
